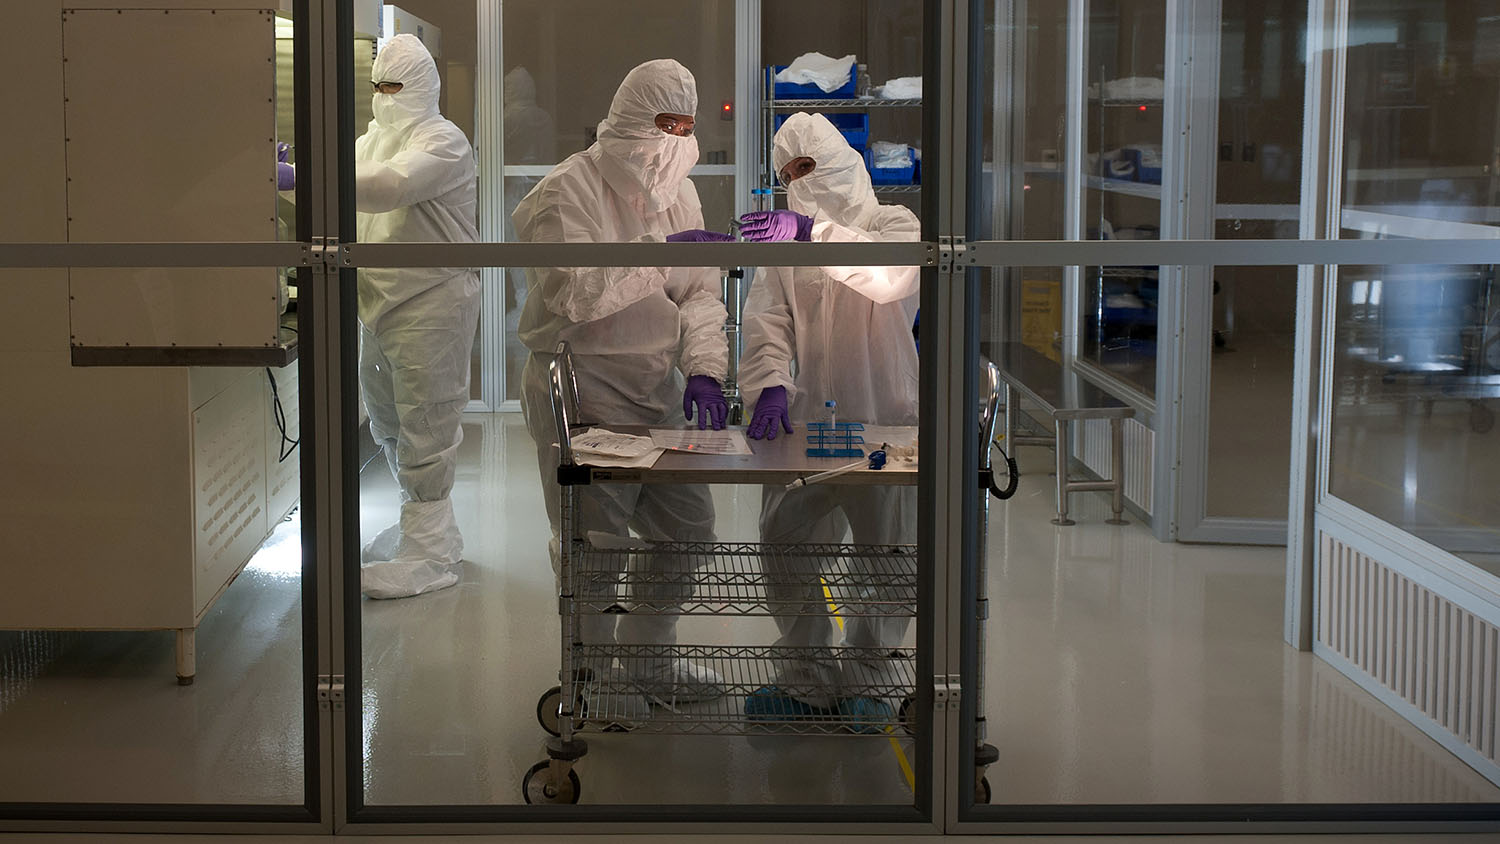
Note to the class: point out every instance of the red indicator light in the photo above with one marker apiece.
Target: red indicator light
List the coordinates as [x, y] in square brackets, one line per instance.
[1143, 108]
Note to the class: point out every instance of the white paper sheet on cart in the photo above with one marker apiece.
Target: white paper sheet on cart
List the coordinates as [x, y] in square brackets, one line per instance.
[703, 442]
[598, 447]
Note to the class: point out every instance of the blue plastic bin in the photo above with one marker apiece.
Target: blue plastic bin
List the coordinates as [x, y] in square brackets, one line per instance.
[854, 126]
[892, 175]
[793, 91]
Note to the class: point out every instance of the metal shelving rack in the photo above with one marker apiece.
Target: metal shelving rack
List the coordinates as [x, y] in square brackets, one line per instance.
[770, 105]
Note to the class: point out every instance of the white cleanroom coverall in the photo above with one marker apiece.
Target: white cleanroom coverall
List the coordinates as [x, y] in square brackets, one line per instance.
[635, 334]
[846, 334]
[415, 182]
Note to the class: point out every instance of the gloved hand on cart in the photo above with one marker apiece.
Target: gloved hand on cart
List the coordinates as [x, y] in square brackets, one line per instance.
[706, 394]
[769, 226]
[770, 414]
[699, 236]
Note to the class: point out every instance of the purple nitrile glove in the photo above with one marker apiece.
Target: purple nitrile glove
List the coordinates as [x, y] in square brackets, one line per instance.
[283, 151]
[286, 176]
[766, 226]
[708, 396]
[770, 414]
[699, 236]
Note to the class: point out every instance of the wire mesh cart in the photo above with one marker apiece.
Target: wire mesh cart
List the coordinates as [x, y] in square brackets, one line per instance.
[596, 690]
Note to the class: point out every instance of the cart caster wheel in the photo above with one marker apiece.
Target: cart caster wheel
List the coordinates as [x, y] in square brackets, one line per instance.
[537, 790]
[908, 715]
[982, 792]
[547, 707]
[1481, 419]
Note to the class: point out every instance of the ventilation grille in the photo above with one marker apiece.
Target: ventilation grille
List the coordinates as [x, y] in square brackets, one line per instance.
[1140, 450]
[1432, 653]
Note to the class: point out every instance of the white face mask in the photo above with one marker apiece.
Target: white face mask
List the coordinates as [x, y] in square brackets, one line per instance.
[836, 195]
[677, 159]
[393, 110]
[657, 166]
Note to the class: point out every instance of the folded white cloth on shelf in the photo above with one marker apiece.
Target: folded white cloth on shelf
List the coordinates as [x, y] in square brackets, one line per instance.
[826, 72]
[901, 88]
[1124, 300]
[1134, 88]
[1121, 168]
[885, 155]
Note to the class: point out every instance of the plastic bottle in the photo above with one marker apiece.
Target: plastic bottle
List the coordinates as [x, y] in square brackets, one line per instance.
[832, 407]
[862, 85]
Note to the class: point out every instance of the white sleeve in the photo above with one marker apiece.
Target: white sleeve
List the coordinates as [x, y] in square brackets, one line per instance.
[584, 294]
[770, 336]
[700, 305]
[430, 167]
[881, 285]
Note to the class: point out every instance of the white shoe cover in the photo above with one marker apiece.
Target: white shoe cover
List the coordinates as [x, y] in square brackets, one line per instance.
[383, 546]
[405, 578]
[679, 681]
[428, 554]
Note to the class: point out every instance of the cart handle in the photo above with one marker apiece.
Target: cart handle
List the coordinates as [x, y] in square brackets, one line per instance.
[564, 399]
[989, 417]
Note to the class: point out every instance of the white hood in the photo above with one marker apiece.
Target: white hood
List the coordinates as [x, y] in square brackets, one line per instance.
[406, 60]
[839, 187]
[641, 162]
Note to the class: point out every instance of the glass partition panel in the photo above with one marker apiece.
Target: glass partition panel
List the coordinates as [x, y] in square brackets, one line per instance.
[1122, 165]
[1250, 392]
[716, 638]
[1417, 386]
[1422, 120]
[1114, 670]
[152, 649]
[1262, 91]
[153, 628]
[767, 666]
[1416, 364]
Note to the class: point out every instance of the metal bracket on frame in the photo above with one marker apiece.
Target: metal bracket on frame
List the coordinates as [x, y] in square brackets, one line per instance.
[331, 691]
[326, 253]
[946, 692]
[953, 251]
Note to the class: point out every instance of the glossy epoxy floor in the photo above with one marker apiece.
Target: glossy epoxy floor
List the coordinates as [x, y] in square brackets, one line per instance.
[1120, 670]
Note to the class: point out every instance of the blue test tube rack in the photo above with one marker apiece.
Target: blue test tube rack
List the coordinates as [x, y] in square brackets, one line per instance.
[840, 439]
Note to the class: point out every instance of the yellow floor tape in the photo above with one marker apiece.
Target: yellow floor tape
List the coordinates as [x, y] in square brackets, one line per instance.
[906, 771]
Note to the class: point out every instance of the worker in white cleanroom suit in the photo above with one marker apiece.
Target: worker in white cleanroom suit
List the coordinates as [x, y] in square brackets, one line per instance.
[635, 333]
[846, 334]
[415, 182]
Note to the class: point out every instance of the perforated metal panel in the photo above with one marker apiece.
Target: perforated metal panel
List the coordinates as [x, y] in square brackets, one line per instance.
[1140, 450]
[229, 483]
[1438, 657]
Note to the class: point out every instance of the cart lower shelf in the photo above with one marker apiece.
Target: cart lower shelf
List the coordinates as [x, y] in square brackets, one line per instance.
[736, 579]
[613, 699]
